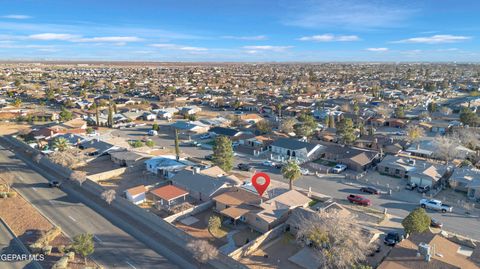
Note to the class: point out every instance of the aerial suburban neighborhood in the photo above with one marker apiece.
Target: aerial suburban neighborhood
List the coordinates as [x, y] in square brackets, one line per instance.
[218, 163]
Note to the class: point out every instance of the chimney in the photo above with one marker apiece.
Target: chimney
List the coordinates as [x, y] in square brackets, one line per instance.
[418, 146]
[425, 251]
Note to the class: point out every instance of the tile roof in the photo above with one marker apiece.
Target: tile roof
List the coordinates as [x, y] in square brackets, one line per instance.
[169, 192]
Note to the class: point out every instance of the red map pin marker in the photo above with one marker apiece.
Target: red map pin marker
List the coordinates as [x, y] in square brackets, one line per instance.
[260, 187]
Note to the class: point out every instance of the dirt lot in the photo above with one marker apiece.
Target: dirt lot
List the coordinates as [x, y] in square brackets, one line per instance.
[199, 229]
[274, 255]
[28, 224]
[7, 128]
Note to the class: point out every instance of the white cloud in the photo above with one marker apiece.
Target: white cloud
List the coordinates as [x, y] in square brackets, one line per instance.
[177, 47]
[377, 49]
[435, 39]
[16, 17]
[111, 39]
[52, 36]
[255, 49]
[116, 40]
[330, 38]
[258, 37]
[351, 14]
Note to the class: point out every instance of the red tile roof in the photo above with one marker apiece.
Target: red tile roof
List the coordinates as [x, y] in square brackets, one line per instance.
[169, 192]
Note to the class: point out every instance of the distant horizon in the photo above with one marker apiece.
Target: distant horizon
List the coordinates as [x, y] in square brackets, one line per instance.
[241, 31]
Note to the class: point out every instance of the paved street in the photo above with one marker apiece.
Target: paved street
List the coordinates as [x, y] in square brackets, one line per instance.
[398, 204]
[114, 248]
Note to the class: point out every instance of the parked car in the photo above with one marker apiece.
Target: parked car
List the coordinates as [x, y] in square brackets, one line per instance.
[244, 167]
[370, 190]
[339, 168]
[152, 132]
[423, 189]
[205, 136]
[435, 205]
[411, 186]
[359, 200]
[209, 157]
[54, 184]
[304, 171]
[268, 163]
[392, 238]
[436, 223]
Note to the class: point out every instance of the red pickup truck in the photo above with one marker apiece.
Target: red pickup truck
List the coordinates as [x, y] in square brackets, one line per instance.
[358, 199]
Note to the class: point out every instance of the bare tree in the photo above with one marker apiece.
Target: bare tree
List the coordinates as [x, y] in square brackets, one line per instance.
[202, 250]
[287, 125]
[337, 238]
[446, 147]
[109, 196]
[79, 176]
[70, 158]
[414, 133]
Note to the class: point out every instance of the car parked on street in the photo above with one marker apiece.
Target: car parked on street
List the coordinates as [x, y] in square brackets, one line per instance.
[359, 200]
[339, 168]
[411, 186]
[205, 136]
[209, 157]
[305, 171]
[269, 163]
[423, 189]
[435, 205]
[54, 184]
[244, 167]
[370, 190]
[436, 223]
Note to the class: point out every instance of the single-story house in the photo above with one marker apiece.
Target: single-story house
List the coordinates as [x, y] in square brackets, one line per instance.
[416, 171]
[412, 253]
[276, 210]
[125, 157]
[186, 129]
[164, 165]
[355, 158]
[169, 195]
[96, 147]
[190, 110]
[136, 194]
[466, 179]
[166, 113]
[222, 131]
[284, 149]
[200, 186]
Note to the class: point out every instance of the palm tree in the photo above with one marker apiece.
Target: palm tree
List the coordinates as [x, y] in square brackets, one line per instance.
[61, 144]
[291, 171]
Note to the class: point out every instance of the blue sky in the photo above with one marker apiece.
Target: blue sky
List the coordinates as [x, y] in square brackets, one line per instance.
[246, 30]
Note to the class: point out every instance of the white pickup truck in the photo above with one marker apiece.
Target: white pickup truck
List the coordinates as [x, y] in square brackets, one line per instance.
[435, 205]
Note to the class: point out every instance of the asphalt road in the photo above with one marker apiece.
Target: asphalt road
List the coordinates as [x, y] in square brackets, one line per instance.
[114, 248]
[398, 204]
[10, 245]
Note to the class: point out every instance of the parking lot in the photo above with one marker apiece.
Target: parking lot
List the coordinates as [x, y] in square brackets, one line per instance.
[399, 203]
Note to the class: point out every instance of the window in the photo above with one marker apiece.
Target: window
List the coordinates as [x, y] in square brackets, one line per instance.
[397, 171]
[386, 169]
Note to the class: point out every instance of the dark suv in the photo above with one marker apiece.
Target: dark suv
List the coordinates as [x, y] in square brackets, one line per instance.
[392, 238]
[54, 184]
[423, 189]
[244, 167]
